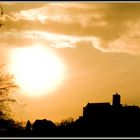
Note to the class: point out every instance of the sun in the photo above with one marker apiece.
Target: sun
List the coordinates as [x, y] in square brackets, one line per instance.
[37, 70]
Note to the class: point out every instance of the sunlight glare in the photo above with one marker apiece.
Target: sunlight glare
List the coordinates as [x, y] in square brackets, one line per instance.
[37, 69]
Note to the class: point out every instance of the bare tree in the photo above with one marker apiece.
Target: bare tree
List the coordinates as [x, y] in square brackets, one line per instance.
[66, 122]
[7, 87]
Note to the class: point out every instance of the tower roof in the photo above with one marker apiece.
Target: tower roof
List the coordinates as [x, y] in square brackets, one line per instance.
[117, 93]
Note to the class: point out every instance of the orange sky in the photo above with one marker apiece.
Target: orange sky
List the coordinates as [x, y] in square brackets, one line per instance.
[98, 43]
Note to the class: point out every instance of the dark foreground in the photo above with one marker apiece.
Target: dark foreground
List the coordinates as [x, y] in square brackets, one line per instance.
[98, 120]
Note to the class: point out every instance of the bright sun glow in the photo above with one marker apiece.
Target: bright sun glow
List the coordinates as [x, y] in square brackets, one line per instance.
[37, 69]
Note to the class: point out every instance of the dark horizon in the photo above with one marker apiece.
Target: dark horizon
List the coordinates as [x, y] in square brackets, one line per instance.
[98, 120]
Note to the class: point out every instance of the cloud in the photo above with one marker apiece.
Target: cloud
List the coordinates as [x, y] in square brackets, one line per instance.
[24, 38]
[65, 15]
[129, 41]
[109, 27]
[38, 14]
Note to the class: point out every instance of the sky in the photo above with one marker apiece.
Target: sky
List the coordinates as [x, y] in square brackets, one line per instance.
[97, 42]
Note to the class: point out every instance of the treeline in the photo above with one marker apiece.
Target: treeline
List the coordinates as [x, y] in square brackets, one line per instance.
[119, 126]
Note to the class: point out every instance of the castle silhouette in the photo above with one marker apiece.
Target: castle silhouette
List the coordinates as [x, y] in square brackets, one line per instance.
[106, 119]
[93, 108]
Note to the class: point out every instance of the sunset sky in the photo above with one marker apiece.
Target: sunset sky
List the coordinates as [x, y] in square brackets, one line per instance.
[88, 50]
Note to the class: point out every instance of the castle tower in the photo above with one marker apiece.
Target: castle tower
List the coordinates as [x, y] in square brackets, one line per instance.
[116, 100]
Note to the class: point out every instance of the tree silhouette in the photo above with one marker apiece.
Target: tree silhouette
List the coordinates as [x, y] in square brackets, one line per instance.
[66, 122]
[28, 128]
[7, 87]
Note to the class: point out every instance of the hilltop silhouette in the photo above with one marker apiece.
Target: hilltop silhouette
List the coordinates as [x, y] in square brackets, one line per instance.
[98, 119]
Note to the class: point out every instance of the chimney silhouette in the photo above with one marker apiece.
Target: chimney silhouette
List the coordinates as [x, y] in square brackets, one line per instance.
[116, 100]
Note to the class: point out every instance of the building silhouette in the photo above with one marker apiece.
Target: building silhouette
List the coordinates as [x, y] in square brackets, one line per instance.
[105, 117]
[91, 109]
[116, 100]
